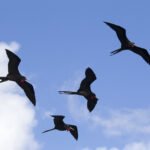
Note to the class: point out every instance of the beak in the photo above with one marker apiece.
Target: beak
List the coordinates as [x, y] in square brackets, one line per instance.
[26, 79]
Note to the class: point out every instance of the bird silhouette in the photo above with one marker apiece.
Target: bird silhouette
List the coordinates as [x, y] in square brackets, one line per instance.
[85, 89]
[14, 75]
[60, 125]
[126, 44]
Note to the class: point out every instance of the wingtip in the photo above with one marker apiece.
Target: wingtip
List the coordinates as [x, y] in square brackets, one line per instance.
[88, 68]
[7, 51]
[105, 22]
[34, 103]
[60, 92]
[90, 110]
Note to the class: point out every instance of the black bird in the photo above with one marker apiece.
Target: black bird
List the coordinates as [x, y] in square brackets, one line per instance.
[14, 75]
[85, 89]
[60, 125]
[126, 44]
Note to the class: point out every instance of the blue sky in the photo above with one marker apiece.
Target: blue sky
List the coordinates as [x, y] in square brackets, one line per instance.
[58, 41]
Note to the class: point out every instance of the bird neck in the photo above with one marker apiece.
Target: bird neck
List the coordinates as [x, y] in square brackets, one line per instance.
[68, 129]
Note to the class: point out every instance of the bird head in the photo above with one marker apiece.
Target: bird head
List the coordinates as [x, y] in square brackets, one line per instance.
[93, 96]
[23, 79]
[132, 44]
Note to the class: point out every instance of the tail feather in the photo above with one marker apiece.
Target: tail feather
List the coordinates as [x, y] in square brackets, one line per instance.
[115, 52]
[67, 92]
[48, 130]
[3, 79]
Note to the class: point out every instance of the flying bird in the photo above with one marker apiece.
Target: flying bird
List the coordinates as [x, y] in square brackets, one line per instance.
[60, 125]
[126, 44]
[14, 75]
[85, 89]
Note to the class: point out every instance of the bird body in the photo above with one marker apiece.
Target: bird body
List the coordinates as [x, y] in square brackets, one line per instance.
[14, 75]
[17, 77]
[126, 44]
[85, 89]
[61, 126]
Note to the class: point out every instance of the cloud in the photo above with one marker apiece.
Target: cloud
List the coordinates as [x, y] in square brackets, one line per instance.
[104, 148]
[126, 121]
[137, 146]
[101, 148]
[86, 148]
[17, 116]
[112, 122]
[131, 146]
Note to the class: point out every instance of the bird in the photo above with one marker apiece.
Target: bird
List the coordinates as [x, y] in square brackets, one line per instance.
[60, 125]
[85, 89]
[14, 75]
[126, 44]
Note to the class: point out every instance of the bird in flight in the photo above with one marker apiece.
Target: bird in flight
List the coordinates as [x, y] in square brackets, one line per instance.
[85, 89]
[126, 44]
[60, 125]
[14, 75]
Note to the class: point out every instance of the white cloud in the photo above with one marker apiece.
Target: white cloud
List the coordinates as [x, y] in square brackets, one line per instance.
[47, 114]
[137, 146]
[131, 146]
[114, 148]
[86, 148]
[113, 122]
[101, 148]
[17, 116]
[122, 122]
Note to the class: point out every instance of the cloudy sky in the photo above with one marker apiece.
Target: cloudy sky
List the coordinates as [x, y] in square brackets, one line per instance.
[57, 41]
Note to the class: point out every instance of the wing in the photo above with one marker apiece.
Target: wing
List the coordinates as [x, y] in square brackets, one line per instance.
[13, 63]
[29, 91]
[58, 119]
[74, 131]
[142, 52]
[90, 77]
[91, 103]
[121, 32]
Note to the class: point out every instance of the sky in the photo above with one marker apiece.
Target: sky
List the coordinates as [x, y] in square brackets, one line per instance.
[56, 41]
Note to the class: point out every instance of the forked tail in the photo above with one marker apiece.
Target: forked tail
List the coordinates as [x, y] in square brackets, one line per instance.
[115, 52]
[3, 79]
[48, 130]
[67, 92]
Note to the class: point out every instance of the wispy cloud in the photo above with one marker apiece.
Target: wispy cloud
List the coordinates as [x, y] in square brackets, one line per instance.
[131, 146]
[126, 121]
[16, 113]
[111, 122]
[137, 146]
[86, 148]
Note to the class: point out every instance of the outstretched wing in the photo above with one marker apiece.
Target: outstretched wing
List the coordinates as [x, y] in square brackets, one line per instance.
[86, 82]
[74, 131]
[121, 32]
[142, 52]
[29, 91]
[58, 119]
[13, 63]
[91, 103]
